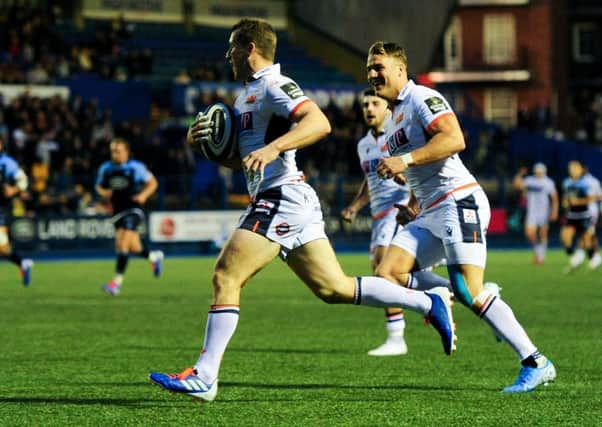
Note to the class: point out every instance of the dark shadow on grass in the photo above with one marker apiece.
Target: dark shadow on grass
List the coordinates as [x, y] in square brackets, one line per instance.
[255, 350]
[79, 401]
[109, 383]
[398, 387]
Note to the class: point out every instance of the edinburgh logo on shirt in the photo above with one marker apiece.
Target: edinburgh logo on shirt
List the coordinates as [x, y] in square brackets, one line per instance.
[435, 104]
[397, 140]
[292, 90]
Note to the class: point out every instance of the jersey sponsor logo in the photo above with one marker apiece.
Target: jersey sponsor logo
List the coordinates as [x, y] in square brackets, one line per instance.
[435, 104]
[370, 165]
[119, 182]
[292, 90]
[246, 120]
[282, 229]
[397, 140]
[264, 206]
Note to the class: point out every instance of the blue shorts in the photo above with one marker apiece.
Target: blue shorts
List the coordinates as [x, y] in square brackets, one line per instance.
[129, 219]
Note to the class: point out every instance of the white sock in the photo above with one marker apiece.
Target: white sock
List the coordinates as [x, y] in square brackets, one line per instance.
[396, 325]
[500, 317]
[221, 324]
[118, 279]
[378, 292]
[425, 280]
[543, 247]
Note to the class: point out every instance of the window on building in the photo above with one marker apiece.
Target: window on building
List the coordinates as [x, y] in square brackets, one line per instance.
[585, 36]
[499, 38]
[453, 45]
[500, 106]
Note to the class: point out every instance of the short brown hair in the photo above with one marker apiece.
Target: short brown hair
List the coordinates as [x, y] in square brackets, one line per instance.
[389, 49]
[259, 32]
[121, 141]
[371, 92]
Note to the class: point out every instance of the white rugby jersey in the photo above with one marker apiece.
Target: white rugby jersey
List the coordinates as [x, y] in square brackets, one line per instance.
[539, 190]
[263, 113]
[594, 183]
[416, 110]
[383, 192]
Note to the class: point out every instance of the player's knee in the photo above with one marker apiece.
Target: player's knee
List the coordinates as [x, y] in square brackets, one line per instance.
[384, 270]
[482, 302]
[3, 241]
[223, 281]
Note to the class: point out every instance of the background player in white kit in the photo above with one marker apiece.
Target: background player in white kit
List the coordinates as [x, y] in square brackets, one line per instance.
[542, 207]
[383, 195]
[285, 216]
[423, 139]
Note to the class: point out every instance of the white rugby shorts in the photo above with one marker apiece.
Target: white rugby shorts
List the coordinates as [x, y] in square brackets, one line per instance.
[289, 215]
[537, 218]
[454, 229]
[383, 230]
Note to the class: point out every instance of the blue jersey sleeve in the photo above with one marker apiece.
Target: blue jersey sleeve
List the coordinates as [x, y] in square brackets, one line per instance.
[9, 169]
[141, 173]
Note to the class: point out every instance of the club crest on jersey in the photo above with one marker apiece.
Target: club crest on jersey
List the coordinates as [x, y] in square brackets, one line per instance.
[399, 118]
[246, 120]
[251, 99]
[470, 216]
[398, 139]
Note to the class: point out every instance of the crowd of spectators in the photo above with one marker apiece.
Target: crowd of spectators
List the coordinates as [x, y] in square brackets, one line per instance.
[61, 143]
[34, 49]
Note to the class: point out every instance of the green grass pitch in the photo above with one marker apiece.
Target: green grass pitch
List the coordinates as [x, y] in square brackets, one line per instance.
[73, 356]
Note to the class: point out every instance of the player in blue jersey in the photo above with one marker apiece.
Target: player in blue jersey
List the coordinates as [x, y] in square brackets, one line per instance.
[127, 184]
[579, 194]
[12, 181]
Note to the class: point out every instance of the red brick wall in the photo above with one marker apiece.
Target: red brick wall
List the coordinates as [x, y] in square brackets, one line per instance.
[533, 50]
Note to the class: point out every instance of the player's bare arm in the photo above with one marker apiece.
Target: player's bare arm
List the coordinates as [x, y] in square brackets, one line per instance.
[554, 210]
[407, 213]
[10, 190]
[518, 181]
[149, 188]
[447, 140]
[580, 201]
[103, 192]
[361, 199]
[312, 126]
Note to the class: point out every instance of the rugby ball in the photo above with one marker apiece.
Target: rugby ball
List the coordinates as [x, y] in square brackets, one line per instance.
[221, 144]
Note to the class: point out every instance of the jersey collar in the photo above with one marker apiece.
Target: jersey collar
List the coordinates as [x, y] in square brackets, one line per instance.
[405, 92]
[271, 69]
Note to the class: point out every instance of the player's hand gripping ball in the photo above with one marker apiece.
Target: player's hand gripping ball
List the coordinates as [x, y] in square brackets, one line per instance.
[213, 133]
